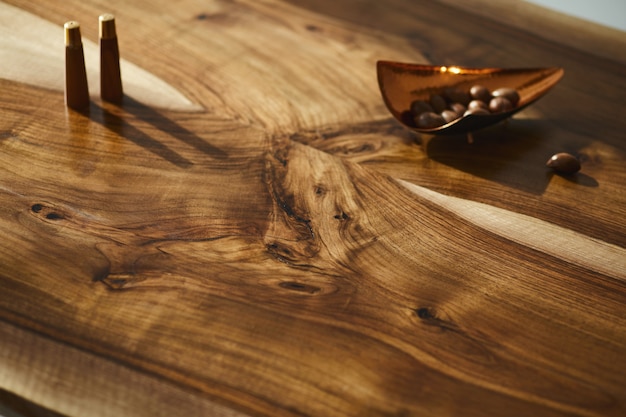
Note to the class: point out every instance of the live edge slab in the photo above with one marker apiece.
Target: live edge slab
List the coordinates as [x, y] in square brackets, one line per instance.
[250, 232]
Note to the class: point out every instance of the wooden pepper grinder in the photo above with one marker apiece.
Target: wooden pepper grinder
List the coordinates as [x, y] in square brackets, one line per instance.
[76, 88]
[110, 76]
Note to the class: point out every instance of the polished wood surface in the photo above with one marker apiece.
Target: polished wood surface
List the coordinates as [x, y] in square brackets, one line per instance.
[269, 241]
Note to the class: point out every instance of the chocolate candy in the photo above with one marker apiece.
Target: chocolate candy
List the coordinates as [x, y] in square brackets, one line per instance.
[500, 104]
[477, 104]
[479, 92]
[509, 93]
[564, 163]
[438, 102]
[450, 115]
[420, 106]
[429, 120]
[458, 108]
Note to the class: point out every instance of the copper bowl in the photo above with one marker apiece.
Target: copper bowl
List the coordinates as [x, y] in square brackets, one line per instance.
[401, 84]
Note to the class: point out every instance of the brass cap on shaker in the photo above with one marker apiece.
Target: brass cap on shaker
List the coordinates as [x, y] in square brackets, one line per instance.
[72, 34]
[107, 26]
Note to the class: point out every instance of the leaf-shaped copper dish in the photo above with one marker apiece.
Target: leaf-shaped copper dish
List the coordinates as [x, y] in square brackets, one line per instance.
[401, 84]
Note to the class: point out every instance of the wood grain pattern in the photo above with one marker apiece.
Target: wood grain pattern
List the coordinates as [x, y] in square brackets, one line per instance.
[289, 249]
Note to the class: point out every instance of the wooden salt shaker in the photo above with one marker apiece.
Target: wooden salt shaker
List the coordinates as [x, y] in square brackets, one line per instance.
[110, 75]
[76, 88]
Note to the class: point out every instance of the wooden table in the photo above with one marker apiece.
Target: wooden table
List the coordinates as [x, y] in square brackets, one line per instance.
[252, 234]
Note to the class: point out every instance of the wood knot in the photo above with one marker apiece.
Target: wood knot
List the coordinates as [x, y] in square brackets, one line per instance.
[342, 216]
[431, 317]
[279, 250]
[299, 287]
[319, 191]
[425, 313]
[46, 212]
[7, 135]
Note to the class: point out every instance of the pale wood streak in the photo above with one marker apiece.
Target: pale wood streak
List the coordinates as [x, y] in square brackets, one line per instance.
[571, 246]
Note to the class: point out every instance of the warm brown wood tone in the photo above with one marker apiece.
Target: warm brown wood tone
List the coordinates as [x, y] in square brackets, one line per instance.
[286, 248]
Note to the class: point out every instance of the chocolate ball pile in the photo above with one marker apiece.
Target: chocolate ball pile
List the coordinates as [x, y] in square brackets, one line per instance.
[455, 103]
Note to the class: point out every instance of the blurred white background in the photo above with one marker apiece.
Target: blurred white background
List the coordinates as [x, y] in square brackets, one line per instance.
[610, 13]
